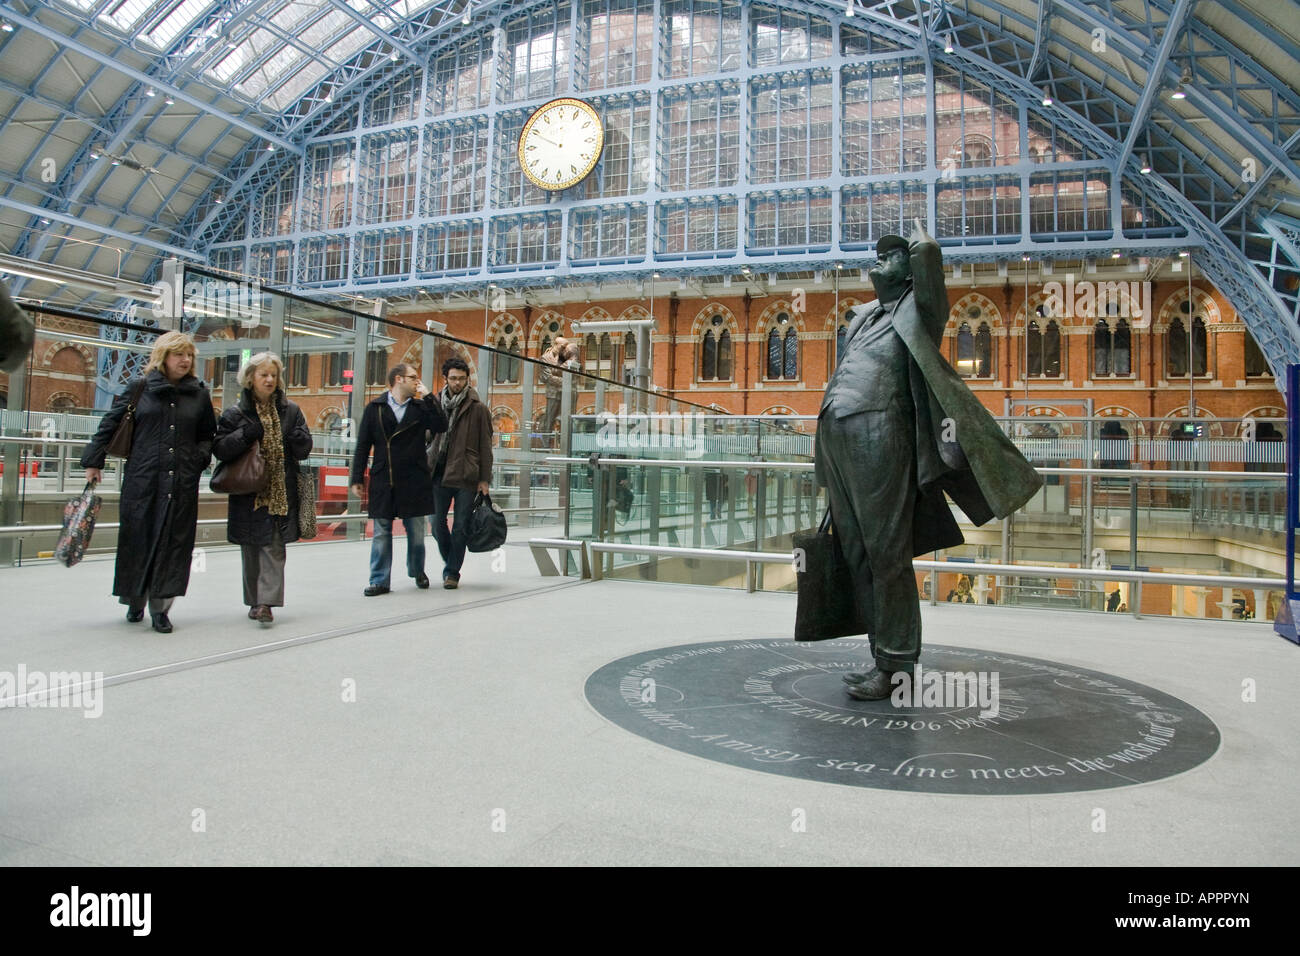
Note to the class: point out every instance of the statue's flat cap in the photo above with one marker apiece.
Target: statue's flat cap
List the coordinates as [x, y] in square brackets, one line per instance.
[889, 243]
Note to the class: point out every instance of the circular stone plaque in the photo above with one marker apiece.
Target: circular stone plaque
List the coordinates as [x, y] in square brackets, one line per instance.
[971, 721]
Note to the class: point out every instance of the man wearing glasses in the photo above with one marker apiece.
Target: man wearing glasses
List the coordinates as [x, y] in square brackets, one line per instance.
[393, 425]
[898, 428]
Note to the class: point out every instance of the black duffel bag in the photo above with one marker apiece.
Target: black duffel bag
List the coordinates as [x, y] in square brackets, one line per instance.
[487, 526]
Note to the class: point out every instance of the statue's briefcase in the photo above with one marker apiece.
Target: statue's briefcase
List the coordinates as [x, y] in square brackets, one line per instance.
[828, 601]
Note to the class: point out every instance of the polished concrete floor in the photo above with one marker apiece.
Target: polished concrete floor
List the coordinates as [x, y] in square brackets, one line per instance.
[451, 727]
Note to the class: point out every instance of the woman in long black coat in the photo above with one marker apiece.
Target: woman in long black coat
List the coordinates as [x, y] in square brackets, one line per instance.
[262, 524]
[159, 507]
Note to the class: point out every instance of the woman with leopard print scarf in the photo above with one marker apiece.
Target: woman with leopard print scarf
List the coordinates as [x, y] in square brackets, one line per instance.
[263, 523]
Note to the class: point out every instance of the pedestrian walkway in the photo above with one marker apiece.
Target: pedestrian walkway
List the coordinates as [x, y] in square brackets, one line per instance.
[451, 727]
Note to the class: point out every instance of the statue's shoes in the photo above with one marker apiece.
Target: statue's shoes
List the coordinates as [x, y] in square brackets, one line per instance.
[877, 686]
[857, 677]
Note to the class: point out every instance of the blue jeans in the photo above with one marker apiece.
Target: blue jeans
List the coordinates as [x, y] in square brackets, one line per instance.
[381, 549]
[451, 544]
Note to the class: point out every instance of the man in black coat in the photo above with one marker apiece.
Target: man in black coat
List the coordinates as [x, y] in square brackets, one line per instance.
[401, 485]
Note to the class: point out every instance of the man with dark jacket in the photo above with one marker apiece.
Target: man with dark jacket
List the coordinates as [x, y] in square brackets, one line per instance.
[462, 465]
[394, 425]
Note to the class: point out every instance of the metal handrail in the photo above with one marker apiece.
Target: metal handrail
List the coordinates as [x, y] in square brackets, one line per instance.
[808, 466]
[1137, 578]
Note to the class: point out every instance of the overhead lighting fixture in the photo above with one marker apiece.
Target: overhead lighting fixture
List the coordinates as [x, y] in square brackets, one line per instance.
[270, 147]
[1115, 254]
[329, 97]
[297, 331]
[1146, 166]
[1180, 91]
[45, 221]
[393, 56]
[6, 26]
[1026, 257]
[219, 198]
[848, 8]
[1047, 97]
[1182, 254]
[464, 17]
[116, 161]
[77, 278]
[170, 100]
[947, 45]
[94, 152]
[151, 92]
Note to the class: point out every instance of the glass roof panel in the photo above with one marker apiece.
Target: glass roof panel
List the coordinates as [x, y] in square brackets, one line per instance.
[176, 22]
[298, 84]
[126, 15]
[351, 43]
[285, 60]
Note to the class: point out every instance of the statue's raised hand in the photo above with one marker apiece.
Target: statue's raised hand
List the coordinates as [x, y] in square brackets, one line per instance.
[918, 235]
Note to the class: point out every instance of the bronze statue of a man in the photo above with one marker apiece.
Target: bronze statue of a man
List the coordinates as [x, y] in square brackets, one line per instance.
[898, 428]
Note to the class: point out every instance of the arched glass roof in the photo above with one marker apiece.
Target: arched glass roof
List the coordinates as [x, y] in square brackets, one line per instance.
[138, 130]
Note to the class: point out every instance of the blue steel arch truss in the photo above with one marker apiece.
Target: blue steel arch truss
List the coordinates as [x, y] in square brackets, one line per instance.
[1111, 100]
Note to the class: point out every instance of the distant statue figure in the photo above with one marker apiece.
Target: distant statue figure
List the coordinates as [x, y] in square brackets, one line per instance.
[898, 428]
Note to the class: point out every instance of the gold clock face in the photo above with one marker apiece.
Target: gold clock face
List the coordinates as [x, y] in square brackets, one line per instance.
[561, 143]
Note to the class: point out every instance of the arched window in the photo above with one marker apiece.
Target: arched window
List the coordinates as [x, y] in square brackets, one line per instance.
[973, 351]
[377, 367]
[1200, 350]
[506, 368]
[1101, 349]
[715, 352]
[1044, 348]
[1180, 347]
[708, 357]
[840, 332]
[1176, 349]
[629, 357]
[1114, 445]
[782, 349]
[965, 363]
[1265, 432]
[1123, 354]
[773, 353]
[1256, 364]
[983, 351]
[1052, 350]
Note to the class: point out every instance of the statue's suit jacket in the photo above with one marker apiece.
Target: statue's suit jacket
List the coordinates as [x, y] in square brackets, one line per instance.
[980, 468]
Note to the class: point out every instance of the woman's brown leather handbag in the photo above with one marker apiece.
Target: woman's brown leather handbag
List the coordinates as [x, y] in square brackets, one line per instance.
[246, 475]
